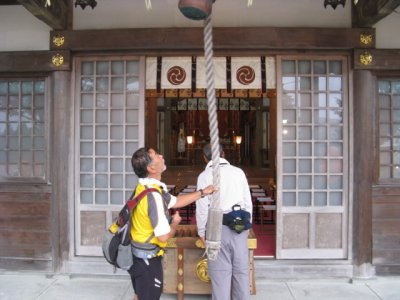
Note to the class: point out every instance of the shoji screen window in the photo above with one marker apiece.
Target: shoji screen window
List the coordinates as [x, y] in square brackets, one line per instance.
[110, 104]
[313, 160]
[389, 129]
[23, 135]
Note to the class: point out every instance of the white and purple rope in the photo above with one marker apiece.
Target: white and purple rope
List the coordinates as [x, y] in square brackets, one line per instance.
[214, 222]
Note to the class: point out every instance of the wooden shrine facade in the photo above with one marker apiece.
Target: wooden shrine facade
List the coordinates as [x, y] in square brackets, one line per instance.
[375, 206]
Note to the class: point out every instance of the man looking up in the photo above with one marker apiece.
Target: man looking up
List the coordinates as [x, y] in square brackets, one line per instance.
[152, 224]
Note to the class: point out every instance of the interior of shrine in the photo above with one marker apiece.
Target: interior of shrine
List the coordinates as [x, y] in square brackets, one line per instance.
[244, 130]
[247, 132]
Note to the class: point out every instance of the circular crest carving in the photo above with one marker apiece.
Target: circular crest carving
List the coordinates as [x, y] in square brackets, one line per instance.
[58, 40]
[202, 270]
[57, 60]
[365, 38]
[176, 75]
[245, 75]
[366, 58]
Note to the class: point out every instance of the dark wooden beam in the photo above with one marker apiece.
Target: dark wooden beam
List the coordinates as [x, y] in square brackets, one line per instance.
[162, 40]
[9, 2]
[379, 59]
[55, 15]
[369, 12]
[34, 61]
[151, 122]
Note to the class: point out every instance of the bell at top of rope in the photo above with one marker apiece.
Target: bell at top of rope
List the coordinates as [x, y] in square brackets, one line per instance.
[196, 9]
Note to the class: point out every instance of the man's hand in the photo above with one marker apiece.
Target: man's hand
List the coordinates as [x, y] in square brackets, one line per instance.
[209, 190]
[176, 218]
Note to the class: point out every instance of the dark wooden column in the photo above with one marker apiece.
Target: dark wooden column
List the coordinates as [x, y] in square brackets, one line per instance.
[151, 122]
[167, 132]
[61, 138]
[363, 124]
[259, 135]
[273, 128]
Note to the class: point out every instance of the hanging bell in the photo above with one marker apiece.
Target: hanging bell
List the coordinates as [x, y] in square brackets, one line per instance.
[195, 9]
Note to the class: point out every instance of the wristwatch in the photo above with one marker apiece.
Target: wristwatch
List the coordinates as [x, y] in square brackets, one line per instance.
[201, 193]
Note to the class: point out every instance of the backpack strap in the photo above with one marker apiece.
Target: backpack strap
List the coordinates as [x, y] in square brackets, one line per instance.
[133, 201]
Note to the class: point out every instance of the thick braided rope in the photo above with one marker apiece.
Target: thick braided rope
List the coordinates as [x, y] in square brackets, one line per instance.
[214, 223]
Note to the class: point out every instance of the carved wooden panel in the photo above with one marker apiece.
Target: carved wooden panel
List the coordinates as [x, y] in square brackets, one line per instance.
[35, 61]
[25, 228]
[385, 229]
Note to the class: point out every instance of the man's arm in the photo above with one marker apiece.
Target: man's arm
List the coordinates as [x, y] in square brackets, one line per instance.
[201, 216]
[185, 199]
[176, 219]
[248, 203]
[202, 208]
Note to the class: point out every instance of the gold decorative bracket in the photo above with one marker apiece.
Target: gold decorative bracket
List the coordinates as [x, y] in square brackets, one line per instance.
[366, 58]
[57, 60]
[58, 40]
[366, 39]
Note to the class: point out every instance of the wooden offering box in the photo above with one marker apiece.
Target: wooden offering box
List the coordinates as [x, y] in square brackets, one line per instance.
[185, 266]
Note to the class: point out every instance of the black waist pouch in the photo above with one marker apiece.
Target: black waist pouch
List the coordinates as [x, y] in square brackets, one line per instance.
[237, 220]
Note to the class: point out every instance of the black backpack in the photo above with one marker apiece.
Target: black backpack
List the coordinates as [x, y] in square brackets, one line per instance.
[117, 238]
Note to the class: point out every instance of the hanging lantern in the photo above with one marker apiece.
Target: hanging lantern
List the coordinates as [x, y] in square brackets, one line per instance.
[334, 3]
[195, 9]
[84, 3]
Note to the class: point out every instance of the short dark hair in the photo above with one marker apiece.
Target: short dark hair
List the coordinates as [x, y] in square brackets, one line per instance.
[140, 160]
[208, 153]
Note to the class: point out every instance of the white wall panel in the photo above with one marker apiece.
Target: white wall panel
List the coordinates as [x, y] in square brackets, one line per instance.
[387, 32]
[21, 31]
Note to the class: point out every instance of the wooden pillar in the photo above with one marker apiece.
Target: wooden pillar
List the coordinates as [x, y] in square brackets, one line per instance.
[363, 124]
[61, 139]
[167, 132]
[259, 135]
[273, 129]
[180, 289]
[151, 122]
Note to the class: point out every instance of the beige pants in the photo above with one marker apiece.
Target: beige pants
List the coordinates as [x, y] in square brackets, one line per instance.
[230, 272]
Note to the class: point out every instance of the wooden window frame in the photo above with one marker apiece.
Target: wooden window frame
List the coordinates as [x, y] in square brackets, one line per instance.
[46, 135]
[382, 181]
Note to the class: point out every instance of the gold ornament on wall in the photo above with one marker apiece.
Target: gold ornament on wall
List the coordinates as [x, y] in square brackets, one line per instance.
[366, 38]
[57, 60]
[171, 243]
[199, 243]
[366, 58]
[58, 40]
[202, 270]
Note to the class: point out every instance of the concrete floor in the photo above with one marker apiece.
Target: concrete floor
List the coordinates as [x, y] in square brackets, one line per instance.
[30, 286]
